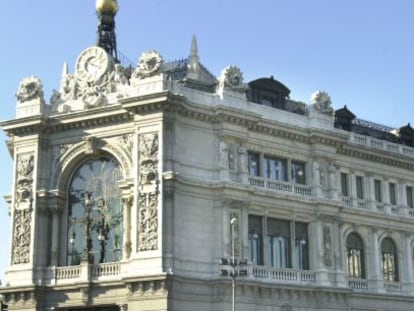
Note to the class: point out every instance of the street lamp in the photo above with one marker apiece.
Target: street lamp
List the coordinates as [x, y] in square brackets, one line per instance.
[233, 222]
[102, 229]
[236, 267]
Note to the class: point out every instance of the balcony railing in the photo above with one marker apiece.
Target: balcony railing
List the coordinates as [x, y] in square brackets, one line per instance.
[70, 274]
[359, 284]
[394, 287]
[381, 144]
[280, 186]
[285, 275]
[110, 269]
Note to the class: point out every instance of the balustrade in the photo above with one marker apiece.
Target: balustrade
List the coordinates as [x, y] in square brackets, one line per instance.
[281, 186]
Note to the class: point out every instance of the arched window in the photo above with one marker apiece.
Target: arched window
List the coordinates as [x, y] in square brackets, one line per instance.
[355, 256]
[95, 218]
[389, 260]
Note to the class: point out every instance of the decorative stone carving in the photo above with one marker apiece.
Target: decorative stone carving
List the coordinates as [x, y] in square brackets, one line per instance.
[150, 64]
[148, 213]
[148, 154]
[321, 102]
[91, 145]
[30, 88]
[93, 96]
[232, 77]
[243, 159]
[127, 141]
[327, 246]
[224, 155]
[23, 209]
[148, 196]
[118, 81]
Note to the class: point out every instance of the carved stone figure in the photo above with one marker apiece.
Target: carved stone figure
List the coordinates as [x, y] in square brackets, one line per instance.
[150, 64]
[321, 102]
[327, 246]
[243, 158]
[29, 89]
[69, 88]
[224, 155]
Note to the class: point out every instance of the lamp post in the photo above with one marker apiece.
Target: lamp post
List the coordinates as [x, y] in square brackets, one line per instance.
[101, 227]
[103, 230]
[233, 222]
[233, 267]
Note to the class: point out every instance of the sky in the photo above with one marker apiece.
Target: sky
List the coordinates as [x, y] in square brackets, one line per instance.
[360, 52]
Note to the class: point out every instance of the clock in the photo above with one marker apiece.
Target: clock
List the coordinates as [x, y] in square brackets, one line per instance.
[92, 64]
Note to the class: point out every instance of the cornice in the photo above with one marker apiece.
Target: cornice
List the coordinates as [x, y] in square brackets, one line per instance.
[363, 153]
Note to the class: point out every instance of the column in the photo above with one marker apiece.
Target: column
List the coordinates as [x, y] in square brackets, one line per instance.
[127, 204]
[370, 197]
[339, 253]
[56, 204]
[406, 264]
[317, 252]
[316, 178]
[332, 184]
[373, 264]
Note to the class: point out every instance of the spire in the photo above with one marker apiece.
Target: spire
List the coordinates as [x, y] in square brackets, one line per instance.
[65, 69]
[106, 11]
[193, 61]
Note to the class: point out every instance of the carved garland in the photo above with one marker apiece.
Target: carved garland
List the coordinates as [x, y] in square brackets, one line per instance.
[148, 196]
[22, 216]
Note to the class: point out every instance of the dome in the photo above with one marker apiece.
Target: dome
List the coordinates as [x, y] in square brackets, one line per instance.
[107, 6]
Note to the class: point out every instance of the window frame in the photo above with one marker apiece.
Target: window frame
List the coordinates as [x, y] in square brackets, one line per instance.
[355, 256]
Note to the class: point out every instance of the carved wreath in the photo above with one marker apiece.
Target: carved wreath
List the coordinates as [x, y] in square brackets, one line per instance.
[29, 88]
[321, 101]
[149, 64]
[232, 76]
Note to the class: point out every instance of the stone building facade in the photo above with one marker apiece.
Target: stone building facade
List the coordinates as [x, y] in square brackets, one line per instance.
[134, 188]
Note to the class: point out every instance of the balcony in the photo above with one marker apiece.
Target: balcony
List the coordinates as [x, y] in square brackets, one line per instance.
[280, 186]
[358, 284]
[79, 273]
[283, 275]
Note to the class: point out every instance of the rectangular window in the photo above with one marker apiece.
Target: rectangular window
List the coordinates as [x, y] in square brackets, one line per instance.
[410, 202]
[275, 168]
[278, 240]
[301, 245]
[298, 172]
[378, 190]
[285, 244]
[393, 197]
[344, 185]
[254, 164]
[359, 187]
[256, 239]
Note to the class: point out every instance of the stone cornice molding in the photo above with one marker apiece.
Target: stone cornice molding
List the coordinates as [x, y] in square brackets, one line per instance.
[377, 157]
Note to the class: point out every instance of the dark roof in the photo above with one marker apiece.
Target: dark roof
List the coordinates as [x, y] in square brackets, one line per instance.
[271, 85]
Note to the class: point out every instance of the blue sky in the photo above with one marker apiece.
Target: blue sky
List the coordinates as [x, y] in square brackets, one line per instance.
[360, 52]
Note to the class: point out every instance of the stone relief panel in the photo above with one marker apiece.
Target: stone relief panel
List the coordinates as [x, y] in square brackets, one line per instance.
[22, 216]
[148, 192]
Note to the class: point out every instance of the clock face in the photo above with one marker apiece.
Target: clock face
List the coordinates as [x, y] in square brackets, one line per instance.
[92, 64]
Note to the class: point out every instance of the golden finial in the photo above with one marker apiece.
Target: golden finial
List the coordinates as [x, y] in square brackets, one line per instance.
[107, 6]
